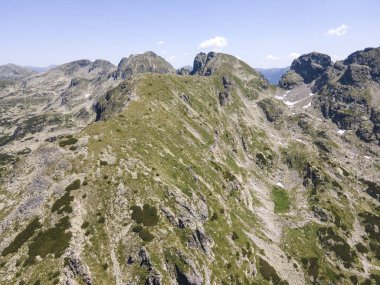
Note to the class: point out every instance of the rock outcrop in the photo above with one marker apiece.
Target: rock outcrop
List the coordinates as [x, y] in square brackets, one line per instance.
[9, 72]
[348, 91]
[305, 69]
[142, 63]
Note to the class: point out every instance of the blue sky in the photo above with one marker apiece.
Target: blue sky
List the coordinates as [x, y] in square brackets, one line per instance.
[262, 33]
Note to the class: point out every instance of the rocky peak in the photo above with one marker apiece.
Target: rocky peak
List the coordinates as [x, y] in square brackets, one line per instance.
[368, 57]
[101, 63]
[73, 66]
[142, 63]
[310, 66]
[201, 61]
[13, 71]
[185, 70]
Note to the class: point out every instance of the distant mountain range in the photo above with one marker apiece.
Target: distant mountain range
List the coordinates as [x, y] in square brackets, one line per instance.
[273, 75]
[39, 69]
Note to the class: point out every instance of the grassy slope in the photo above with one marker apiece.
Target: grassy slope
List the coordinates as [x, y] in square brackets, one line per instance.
[157, 145]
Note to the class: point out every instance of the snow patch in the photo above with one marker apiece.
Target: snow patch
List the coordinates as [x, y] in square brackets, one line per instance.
[307, 106]
[341, 132]
[280, 184]
[290, 103]
[367, 157]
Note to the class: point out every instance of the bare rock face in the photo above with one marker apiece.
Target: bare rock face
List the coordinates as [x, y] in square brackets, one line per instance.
[347, 90]
[11, 72]
[186, 70]
[305, 69]
[80, 270]
[188, 274]
[349, 94]
[48, 103]
[198, 239]
[203, 64]
[142, 63]
[311, 66]
[290, 80]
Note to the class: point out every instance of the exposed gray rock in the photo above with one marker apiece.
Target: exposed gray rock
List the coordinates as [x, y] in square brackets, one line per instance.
[224, 98]
[169, 215]
[144, 258]
[347, 90]
[78, 269]
[188, 275]
[310, 66]
[198, 239]
[186, 70]
[202, 64]
[14, 72]
[142, 63]
[321, 214]
[290, 80]
[272, 109]
[186, 98]
[154, 278]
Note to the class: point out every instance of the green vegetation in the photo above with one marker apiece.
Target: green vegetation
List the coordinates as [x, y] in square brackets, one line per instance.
[373, 189]
[51, 241]
[269, 273]
[227, 175]
[272, 109]
[73, 186]
[62, 205]
[6, 158]
[69, 141]
[137, 228]
[295, 156]
[22, 237]
[147, 215]
[333, 242]
[303, 245]
[234, 236]
[281, 200]
[145, 235]
[311, 266]
[361, 248]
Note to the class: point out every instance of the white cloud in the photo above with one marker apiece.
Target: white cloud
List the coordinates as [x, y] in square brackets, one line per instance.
[338, 31]
[293, 55]
[271, 57]
[160, 43]
[218, 42]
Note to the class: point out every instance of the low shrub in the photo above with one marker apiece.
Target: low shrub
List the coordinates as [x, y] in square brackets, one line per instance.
[22, 237]
[54, 241]
[147, 215]
[145, 235]
[69, 141]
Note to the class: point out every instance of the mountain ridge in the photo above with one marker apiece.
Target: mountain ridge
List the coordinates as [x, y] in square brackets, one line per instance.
[120, 175]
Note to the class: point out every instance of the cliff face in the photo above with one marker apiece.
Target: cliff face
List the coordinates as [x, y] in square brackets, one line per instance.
[215, 178]
[348, 91]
